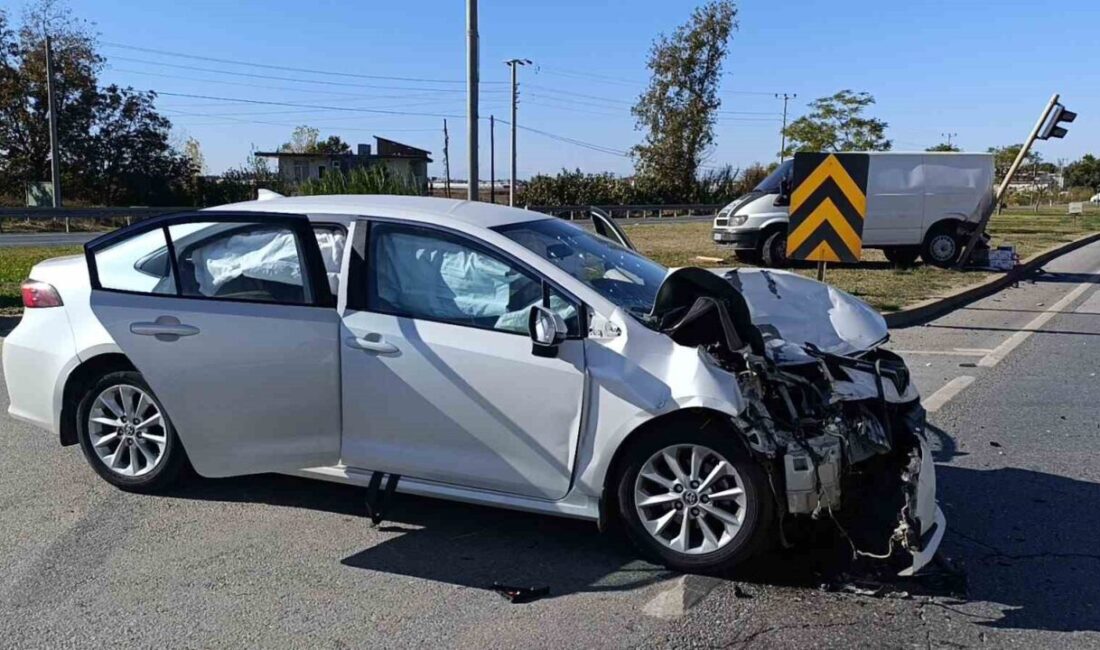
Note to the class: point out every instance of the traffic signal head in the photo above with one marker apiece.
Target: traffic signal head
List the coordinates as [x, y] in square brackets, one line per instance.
[1052, 129]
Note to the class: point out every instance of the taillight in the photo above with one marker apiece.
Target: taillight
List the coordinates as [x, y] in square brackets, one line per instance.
[40, 294]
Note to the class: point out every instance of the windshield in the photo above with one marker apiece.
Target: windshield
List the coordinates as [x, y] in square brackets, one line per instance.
[770, 185]
[619, 274]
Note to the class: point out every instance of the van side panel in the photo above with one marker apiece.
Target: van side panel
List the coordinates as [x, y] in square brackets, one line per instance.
[957, 186]
[895, 200]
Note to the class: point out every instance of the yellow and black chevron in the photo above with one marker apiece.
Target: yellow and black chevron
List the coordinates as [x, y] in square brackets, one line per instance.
[828, 204]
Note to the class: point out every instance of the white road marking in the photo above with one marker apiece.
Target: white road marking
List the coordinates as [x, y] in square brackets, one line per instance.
[1011, 343]
[957, 352]
[946, 393]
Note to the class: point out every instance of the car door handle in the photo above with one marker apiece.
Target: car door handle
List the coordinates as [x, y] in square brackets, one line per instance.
[165, 328]
[371, 343]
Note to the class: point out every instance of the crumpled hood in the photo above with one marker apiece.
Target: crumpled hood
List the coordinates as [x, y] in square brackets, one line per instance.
[800, 310]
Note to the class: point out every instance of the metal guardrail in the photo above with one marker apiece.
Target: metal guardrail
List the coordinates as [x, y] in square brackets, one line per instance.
[112, 216]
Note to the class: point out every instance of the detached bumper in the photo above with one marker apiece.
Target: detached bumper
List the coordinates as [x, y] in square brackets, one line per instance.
[929, 519]
[740, 240]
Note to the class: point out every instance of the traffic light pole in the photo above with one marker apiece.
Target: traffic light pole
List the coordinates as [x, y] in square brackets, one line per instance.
[968, 250]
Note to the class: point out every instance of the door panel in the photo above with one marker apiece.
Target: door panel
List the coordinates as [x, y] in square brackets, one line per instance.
[895, 201]
[460, 405]
[250, 384]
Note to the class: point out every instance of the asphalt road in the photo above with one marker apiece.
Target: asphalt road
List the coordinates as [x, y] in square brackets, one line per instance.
[276, 561]
[46, 239]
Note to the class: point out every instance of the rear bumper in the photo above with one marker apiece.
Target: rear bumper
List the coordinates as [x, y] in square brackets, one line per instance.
[37, 357]
[740, 240]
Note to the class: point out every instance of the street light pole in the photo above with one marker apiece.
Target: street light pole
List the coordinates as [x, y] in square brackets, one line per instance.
[783, 133]
[512, 63]
[55, 158]
[471, 96]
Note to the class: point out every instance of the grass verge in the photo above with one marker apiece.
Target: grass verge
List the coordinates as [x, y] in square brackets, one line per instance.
[15, 266]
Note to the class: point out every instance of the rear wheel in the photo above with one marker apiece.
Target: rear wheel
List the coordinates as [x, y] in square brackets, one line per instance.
[126, 435]
[774, 249]
[901, 255]
[941, 245]
[693, 500]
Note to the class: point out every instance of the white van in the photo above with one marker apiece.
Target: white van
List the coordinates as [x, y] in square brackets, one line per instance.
[917, 204]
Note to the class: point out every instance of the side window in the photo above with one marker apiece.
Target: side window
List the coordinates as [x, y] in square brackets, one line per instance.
[138, 264]
[427, 274]
[240, 261]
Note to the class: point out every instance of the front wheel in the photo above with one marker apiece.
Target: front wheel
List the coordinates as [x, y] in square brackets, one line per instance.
[774, 250]
[694, 500]
[126, 435]
[941, 246]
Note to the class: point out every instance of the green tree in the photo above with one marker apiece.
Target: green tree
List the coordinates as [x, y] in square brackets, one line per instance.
[113, 145]
[302, 140]
[1084, 173]
[192, 151]
[837, 123]
[1004, 156]
[677, 110]
[943, 146]
[331, 145]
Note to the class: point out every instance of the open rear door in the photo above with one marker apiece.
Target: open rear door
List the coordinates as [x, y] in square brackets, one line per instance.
[229, 318]
[607, 228]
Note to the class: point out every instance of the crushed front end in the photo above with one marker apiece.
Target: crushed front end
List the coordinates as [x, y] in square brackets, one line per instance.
[840, 432]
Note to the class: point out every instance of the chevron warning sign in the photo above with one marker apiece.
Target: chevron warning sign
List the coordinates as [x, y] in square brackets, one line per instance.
[828, 203]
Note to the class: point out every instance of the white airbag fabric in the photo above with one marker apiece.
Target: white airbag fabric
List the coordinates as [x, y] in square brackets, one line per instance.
[270, 255]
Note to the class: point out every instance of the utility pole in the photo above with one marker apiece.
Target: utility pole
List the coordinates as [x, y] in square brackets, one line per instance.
[949, 136]
[446, 160]
[783, 134]
[55, 158]
[471, 96]
[492, 159]
[512, 63]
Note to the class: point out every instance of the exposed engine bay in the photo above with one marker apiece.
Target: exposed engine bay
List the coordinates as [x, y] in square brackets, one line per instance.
[831, 416]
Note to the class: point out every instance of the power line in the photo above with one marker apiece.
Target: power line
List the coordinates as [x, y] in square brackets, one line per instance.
[313, 106]
[268, 66]
[254, 75]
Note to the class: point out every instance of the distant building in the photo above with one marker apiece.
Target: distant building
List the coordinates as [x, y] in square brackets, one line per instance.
[1031, 181]
[401, 159]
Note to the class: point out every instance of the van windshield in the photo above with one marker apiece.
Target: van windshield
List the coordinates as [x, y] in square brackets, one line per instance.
[770, 185]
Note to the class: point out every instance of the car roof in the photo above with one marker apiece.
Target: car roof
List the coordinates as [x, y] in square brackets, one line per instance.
[417, 208]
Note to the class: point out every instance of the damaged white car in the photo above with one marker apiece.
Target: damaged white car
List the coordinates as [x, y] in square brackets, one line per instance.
[483, 354]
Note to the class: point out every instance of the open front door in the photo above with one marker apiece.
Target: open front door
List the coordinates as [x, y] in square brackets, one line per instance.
[607, 228]
[231, 321]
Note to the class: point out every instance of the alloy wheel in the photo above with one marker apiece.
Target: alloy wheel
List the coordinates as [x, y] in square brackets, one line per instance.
[127, 431]
[690, 499]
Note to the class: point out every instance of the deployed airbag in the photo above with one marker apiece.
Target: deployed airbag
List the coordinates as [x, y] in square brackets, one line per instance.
[270, 255]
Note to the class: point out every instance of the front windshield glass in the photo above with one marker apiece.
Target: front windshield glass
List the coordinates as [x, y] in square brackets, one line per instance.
[770, 185]
[619, 274]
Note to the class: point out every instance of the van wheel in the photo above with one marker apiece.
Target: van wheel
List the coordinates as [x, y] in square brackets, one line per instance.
[126, 436]
[693, 500]
[941, 246]
[901, 255]
[774, 250]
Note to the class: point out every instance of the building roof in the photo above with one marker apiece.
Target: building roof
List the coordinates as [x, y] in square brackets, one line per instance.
[415, 208]
[384, 149]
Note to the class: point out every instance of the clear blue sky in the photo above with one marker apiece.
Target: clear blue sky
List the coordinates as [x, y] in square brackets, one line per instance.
[979, 69]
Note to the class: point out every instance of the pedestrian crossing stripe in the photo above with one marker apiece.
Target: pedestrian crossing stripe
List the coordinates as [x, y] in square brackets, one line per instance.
[828, 204]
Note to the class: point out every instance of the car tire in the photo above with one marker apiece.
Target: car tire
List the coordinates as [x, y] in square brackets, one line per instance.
[773, 251]
[941, 246]
[901, 255]
[120, 412]
[755, 509]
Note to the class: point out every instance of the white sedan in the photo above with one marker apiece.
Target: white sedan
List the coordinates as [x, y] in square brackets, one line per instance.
[478, 353]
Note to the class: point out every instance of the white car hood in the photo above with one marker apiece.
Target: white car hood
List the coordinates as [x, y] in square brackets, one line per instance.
[799, 310]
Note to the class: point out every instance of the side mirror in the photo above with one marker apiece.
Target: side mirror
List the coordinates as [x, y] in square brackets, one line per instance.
[784, 197]
[547, 331]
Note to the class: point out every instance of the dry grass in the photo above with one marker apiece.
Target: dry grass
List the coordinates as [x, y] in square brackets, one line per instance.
[874, 280]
